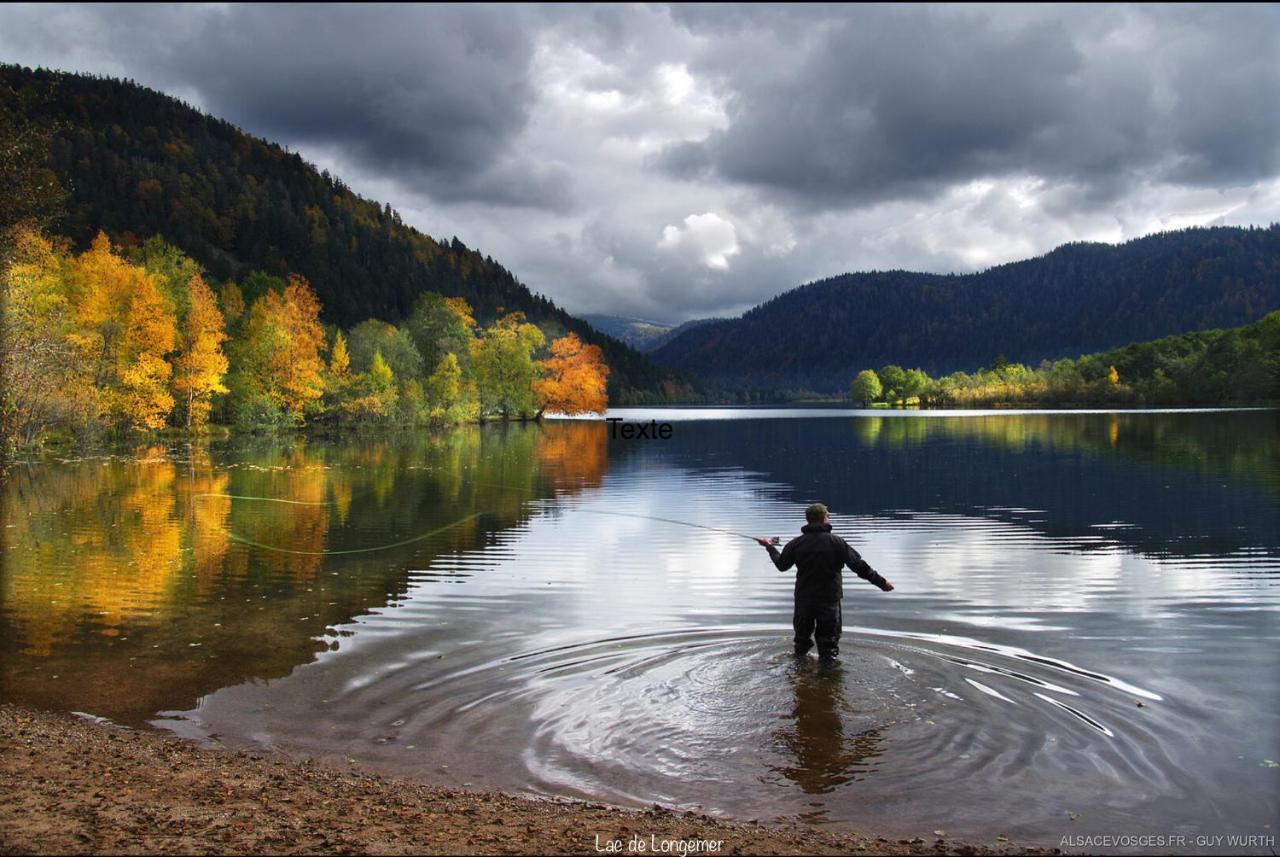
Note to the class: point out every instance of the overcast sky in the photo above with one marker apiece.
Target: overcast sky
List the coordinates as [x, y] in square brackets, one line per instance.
[671, 163]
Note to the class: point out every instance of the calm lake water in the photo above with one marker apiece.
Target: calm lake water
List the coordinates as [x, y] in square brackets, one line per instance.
[1083, 639]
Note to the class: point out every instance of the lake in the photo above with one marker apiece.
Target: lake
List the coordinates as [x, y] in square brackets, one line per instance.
[1083, 639]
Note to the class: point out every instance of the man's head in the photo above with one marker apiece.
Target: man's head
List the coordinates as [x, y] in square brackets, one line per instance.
[816, 514]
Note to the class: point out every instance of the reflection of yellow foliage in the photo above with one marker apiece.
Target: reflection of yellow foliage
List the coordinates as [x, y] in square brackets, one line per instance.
[868, 429]
[573, 453]
[81, 553]
[299, 526]
[106, 547]
[202, 490]
[341, 491]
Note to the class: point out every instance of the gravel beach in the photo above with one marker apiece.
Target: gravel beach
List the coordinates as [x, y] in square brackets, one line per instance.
[76, 786]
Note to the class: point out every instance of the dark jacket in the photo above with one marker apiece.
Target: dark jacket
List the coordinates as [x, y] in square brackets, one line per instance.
[819, 555]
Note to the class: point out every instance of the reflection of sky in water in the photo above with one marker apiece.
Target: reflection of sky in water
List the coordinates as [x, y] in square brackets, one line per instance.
[567, 640]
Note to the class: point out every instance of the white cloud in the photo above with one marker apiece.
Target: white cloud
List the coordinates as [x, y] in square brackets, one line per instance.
[708, 237]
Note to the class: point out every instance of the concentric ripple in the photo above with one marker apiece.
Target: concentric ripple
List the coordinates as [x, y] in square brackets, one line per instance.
[727, 720]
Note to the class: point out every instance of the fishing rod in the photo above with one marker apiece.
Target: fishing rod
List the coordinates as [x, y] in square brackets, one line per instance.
[775, 539]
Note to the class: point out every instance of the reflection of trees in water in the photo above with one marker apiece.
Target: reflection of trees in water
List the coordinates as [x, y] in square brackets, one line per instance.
[574, 454]
[122, 576]
[1189, 441]
[825, 754]
[99, 543]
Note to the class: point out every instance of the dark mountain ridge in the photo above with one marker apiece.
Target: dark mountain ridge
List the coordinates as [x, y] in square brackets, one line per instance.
[136, 162]
[1079, 298]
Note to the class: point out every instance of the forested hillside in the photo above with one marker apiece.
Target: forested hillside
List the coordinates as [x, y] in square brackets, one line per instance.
[1077, 299]
[137, 163]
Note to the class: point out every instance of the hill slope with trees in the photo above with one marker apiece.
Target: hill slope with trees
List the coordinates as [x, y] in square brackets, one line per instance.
[1079, 298]
[138, 163]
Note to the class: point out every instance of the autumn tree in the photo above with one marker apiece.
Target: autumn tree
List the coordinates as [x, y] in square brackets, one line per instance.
[503, 366]
[381, 386]
[232, 300]
[172, 270]
[125, 329]
[280, 361]
[200, 367]
[573, 379]
[443, 387]
[44, 380]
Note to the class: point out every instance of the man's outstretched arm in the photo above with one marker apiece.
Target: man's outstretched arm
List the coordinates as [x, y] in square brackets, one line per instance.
[859, 566]
[782, 561]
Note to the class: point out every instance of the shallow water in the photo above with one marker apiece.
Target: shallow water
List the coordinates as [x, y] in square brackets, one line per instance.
[1084, 622]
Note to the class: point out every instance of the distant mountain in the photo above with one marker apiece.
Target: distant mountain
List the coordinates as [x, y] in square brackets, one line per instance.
[671, 334]
[1077, 299]
[644, 336]
[637, 333]
[138, 163]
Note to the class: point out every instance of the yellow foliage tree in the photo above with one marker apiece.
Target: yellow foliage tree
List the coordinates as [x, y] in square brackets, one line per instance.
[462, 309]
[282, 347]
[125, 329]
[42, 380]
[339, 357]
[232, 303]
[574, 378]
[202, 364]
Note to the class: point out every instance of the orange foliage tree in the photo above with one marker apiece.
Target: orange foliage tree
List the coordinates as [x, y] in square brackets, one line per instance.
[202, 364]
[574, 378]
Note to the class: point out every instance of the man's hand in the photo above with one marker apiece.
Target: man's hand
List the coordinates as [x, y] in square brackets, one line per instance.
[764, 543]
[888, 587]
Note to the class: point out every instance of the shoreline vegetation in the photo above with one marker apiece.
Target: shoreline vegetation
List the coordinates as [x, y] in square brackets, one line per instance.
[128, 341]
[92, 787]
[131, 342]
[1233, 366]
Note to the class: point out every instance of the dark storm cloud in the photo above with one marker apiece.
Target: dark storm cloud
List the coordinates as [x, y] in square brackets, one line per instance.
[900, 102]
[433, 95]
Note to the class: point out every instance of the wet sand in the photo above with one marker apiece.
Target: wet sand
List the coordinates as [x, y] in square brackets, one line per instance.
[74, 786]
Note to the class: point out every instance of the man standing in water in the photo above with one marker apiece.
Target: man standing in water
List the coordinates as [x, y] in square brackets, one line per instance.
[819, 555]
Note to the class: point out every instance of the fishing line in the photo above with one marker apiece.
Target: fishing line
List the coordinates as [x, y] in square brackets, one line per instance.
[409, 541]
[241, 539]
[268, 499]
[642, 517]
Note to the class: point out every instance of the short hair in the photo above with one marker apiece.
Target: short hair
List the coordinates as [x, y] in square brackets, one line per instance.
[816, 514]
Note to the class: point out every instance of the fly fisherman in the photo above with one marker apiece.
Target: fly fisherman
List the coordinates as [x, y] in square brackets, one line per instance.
[819, 555]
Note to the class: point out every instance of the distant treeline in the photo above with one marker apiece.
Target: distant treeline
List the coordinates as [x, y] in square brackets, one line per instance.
[1213, 367]
[1077, 299]
[128, 339]
[137, 163]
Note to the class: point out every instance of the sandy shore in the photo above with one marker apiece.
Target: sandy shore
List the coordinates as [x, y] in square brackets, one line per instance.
[74, 786]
